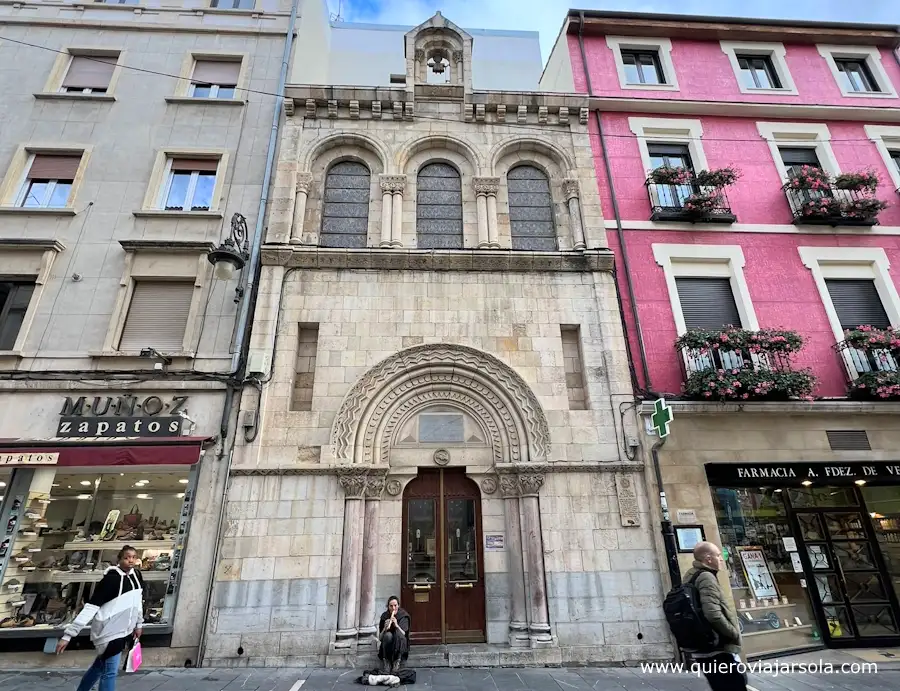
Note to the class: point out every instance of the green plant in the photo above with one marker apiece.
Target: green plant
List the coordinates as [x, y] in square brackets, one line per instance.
[702, 202]
[863, 207]
[719, 177]
[876, 385]
[821, 207]
[749, 384]
[866, 180]
[734, 338]
[668, 175]
[868, 337]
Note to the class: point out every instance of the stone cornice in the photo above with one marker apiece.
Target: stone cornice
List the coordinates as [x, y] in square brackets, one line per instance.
[435, 260]
[31, 244]
[778, 408]
[278, 29]
[786, 111]
[378, 472]
[167, 246]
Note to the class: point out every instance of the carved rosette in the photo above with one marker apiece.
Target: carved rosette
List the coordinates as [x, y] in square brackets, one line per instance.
[394, 184]
[530, 484]
[571, 188]
[509, 486]
[486, 186]
[375, 486]
[353, 482]
[304, 182]
[393, 487]
[442, 457]
[489, 485]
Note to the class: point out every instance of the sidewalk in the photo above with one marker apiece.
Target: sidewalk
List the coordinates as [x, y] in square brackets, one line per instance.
[564, 679]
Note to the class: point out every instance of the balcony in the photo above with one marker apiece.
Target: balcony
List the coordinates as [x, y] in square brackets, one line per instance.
[678, 194]
[816, 198]
[733, 364]
[871, 358]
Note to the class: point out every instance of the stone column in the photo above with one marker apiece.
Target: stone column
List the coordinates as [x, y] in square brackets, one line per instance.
[457, 76]
[368, 611]
[487, 189]
[387, 203]
[539, 625]
[304, 180]
[354, 484]
[393, 184]
[571, 190]
[481, 206]
[518, 618]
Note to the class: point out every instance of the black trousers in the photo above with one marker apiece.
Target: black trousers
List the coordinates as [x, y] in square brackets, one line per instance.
[388, 649]
[722, 673]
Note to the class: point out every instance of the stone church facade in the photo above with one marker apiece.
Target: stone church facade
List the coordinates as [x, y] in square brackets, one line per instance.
[442, 407]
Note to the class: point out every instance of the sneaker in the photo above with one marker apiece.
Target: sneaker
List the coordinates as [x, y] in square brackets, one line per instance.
[32, 516]
[395, 667]
[22, 557]
[28, 566]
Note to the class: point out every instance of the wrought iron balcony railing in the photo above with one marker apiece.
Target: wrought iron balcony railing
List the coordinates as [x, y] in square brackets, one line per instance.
[831, 206]
[691, 203]
[870, 370]
[694, 360]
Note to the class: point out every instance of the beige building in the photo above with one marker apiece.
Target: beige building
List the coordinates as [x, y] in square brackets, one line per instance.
[443, 397]
[132, 135]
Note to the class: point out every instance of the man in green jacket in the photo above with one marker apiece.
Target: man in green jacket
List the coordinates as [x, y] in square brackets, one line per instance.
[720, 666]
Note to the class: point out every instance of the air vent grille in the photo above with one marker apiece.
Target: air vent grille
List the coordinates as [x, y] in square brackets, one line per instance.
[848, 440]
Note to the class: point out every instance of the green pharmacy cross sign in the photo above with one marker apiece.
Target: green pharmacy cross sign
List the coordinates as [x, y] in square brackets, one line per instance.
[661, 418]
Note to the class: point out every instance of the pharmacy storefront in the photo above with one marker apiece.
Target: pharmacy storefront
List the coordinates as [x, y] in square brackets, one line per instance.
[116, 470]
[813, 552]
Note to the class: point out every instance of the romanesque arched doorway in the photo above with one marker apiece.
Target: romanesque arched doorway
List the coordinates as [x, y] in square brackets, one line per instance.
[442, 578]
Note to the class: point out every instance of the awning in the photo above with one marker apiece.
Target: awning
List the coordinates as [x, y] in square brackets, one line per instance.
[95, 451]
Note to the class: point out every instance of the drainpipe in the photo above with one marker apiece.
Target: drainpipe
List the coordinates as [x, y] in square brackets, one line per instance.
[668, 531]
[620, 233]
[243, 340]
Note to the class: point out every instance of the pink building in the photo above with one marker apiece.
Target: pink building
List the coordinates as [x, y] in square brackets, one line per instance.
[749, 173]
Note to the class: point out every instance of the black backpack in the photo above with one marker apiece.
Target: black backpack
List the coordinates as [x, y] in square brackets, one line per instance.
[692, 631]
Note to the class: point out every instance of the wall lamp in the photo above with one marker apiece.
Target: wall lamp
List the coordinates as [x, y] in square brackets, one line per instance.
[232, 255]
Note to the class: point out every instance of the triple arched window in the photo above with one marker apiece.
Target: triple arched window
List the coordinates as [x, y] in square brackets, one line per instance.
[530, 210]
[345, 212]
[439, 215]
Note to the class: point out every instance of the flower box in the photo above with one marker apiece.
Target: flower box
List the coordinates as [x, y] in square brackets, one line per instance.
[667, 175]
[870, 338]
[879, 386]
[857, 182]
[733, 338]
[748, 384]
[719, 177]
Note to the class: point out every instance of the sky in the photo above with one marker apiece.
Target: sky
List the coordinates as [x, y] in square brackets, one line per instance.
[546, 16]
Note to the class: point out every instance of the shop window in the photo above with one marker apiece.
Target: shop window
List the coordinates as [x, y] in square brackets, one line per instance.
[769, 594]
[305, 372]
[883, 504]
[67, 528]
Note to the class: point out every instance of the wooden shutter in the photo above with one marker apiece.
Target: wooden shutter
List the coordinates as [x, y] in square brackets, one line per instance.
[857, 303]
[157, 317]
[54, 167]
[707, 303]
[221, 72]
[90, 72]
[190, 165]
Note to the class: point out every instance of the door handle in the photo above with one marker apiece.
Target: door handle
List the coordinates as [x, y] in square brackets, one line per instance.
[463, 586]
[421, 587]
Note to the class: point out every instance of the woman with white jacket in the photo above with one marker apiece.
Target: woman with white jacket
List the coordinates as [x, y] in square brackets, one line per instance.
[115, 613]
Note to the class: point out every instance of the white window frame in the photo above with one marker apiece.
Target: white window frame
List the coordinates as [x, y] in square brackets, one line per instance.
[867, 54]
[231, 9]
[661, 46]
[213, 91]
[775, 52]
[26, 182]
[793, 134]
[189, 194]
[706, 261]
[886, 138]
[669, 131]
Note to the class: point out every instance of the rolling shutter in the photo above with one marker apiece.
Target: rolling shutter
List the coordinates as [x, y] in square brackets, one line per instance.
[90, 72]
[157, 317]
[54, 167]
[857, 303]
[191, 165]
[221, 72]
[707, 303]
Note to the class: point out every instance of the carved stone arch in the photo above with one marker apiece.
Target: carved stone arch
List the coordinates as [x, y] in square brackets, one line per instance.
[439, 143]
[368, 408]
[521, 147]
[350, 143]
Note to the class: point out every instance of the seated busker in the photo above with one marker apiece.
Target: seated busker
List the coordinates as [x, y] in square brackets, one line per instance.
[393, 641]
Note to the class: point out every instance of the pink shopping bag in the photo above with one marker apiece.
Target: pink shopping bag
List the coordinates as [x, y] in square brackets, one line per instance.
[134, 659]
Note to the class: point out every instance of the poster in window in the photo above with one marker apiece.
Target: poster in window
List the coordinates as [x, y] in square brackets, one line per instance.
[756, 569]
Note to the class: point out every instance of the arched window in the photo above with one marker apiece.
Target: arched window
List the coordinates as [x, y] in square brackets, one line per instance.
[439, 217]
[530, 210]
[345, 215]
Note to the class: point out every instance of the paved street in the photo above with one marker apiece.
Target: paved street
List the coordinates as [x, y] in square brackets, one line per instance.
[565, 679]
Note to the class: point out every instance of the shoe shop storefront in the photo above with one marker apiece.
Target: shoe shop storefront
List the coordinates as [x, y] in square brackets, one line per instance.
[117, 470]
[813, 552]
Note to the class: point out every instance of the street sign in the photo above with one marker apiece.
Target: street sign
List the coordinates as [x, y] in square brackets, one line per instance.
[661, 418]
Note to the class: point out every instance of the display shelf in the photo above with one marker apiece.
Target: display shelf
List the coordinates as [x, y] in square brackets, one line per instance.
[783, 629]
[47, 631]
[116, 546]
[87, 577]
[758, 609]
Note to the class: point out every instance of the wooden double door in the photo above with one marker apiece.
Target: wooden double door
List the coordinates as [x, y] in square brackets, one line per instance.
[443, 559]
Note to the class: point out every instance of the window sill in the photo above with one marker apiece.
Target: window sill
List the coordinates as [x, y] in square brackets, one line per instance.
[770, 92]
[651, 87]
[162, 213]
[869, 94]
[180, 355]
[38, 211]
[55, 96]
[191, 101]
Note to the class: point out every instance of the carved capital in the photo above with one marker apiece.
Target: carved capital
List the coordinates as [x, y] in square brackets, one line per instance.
[509, 486]
[420, 54]
[571, 188]
[375, 485]
[304, 181]
[392, 183]
[486, 186]
[353, 482]
[457, 56]
[530, 484]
